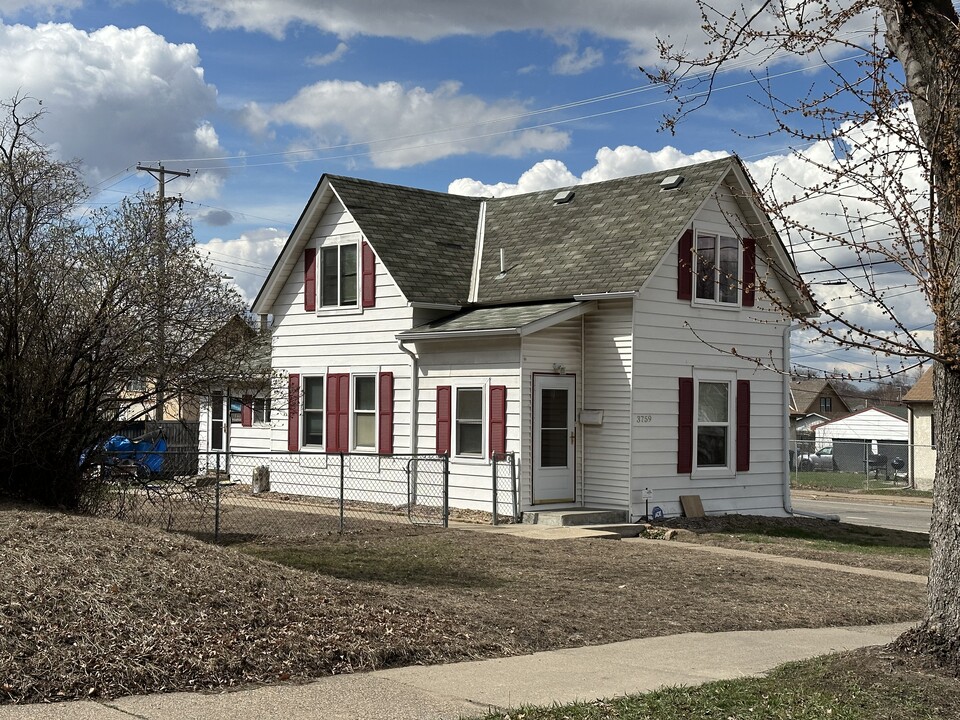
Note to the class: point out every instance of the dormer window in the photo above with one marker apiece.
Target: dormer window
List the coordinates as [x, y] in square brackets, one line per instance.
[717, 271]
[338, 276]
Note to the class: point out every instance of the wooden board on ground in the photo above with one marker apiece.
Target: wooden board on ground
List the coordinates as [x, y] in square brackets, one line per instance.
[692, 506]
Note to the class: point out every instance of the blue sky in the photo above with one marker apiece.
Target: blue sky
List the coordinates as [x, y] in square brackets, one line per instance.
[258, 98]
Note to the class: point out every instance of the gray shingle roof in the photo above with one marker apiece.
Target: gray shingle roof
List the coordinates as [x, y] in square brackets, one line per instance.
[494, 318]
[426, 239]
[608, 238]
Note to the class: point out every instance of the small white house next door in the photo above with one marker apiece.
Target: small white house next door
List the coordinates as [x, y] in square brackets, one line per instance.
[554, 438]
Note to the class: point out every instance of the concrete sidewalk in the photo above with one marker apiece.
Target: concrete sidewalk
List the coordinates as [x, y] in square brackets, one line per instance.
[472, 689]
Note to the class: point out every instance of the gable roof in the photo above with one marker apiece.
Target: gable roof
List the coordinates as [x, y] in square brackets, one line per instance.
[922, 392]
[444, 249]
[805, 392]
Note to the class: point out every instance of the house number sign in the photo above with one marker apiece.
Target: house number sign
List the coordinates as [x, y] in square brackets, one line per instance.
[642, 419]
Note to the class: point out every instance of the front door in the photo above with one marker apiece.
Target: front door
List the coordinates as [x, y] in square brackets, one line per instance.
[554, 438]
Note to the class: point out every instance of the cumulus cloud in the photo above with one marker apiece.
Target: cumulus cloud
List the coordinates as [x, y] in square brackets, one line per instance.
[113, 97]
[400, 126]
[576, 62]
[246, 259]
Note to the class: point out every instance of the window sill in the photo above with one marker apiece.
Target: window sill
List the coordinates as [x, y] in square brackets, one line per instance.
[345, 310]
[716, 305]
[470, 459]
[720, 473]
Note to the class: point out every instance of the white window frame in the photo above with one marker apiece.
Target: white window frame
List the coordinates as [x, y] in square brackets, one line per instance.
[375, 376]
[715, 301]
[484, 388]
[338, 244]
[265, 412]
[728, 378]
[304, 410]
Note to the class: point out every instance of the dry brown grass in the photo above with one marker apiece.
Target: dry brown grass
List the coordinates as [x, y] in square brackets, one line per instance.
[99, 608]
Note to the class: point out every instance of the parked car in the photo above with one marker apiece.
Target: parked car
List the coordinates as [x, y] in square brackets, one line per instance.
[822, 459]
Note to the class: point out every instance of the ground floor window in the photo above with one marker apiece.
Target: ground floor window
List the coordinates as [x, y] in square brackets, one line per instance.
[469, 422]
[313, 411]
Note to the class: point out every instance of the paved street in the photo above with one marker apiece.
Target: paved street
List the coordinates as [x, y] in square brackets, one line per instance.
[915, 518]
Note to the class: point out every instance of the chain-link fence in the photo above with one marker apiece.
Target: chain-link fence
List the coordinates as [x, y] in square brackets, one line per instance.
[241, 496]
[861, 465]
[506, 501]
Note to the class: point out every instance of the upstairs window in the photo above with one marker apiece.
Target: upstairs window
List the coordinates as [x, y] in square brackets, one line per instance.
[338, 276]
[826, 404]
[717, 269]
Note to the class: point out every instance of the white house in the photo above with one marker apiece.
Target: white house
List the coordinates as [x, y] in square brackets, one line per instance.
[575, 328]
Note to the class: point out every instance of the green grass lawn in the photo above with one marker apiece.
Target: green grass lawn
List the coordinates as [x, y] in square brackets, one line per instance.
[852, 482]
[852, 686]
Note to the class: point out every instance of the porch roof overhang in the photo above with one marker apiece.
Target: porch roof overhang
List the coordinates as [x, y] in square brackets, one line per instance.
[517, 320]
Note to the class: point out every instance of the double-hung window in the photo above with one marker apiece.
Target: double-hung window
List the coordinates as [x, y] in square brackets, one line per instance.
[713, 427]
[338, 276]
[261, 410]
[313, 411]
[717, 268]
[826, 404]
[469, 422]
[364, 412]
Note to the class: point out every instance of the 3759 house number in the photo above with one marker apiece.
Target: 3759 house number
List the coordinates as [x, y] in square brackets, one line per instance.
[643, 419]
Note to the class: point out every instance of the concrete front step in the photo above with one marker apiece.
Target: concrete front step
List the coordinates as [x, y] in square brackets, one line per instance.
[578, 517]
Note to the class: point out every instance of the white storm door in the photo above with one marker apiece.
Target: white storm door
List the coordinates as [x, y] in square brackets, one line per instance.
[554, 438]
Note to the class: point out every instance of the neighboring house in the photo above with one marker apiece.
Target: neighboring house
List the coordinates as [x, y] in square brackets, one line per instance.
[866, 433]
[235, 411]
[576, 328]
[813, 401]
[922, 431]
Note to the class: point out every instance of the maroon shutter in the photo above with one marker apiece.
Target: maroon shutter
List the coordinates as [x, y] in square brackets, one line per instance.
[749, 272]
[368, 287]
[685, 427]
[309, 279]
[246, 411]
[293, 412]
[386, 413]
[684, 267]
[444, 395]
[498, 419]
[743, 425]
[338, 412]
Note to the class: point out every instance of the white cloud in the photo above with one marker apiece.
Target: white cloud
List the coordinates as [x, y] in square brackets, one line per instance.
[402, 126]
[575, 62]
[112, 97]
[12, 8]
[330, 57]
[246, 259]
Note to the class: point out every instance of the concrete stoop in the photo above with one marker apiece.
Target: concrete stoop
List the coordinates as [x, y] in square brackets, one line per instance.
[578, 518]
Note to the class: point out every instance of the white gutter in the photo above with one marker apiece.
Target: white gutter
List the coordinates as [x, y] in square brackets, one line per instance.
[434, 306]
[414, 395]
[444, 335]
[620, 295]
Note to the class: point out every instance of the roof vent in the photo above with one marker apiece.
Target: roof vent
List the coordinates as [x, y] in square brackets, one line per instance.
[671, 182]
[564, 196]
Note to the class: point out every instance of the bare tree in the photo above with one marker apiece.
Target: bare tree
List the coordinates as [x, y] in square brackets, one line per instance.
[82, 298]
[877, 202]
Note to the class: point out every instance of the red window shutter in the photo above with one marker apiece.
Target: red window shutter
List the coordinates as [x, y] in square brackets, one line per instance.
[293, 412]
[444, 395]
[369, 272]
[246, 411]
[498, 419]
[749, 272]
[685, 267]
[338, 412]
[743, 425]
[310, 279]
[685, 427]
[386, 413]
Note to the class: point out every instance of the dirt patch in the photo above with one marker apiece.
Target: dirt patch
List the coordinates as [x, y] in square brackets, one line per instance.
[101, 608]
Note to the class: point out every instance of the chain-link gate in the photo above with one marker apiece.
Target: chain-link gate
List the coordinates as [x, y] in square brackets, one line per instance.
[506, 502]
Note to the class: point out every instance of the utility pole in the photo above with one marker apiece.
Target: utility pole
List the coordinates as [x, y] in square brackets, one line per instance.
[160, 173]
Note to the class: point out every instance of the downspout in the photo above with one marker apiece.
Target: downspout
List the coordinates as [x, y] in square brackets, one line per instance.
[787, 505]
[414, 395]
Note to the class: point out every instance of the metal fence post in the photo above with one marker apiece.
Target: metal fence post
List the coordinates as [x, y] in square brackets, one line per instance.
[216, 504]
[496, 520]
[513, 484]
[342, 491]
[446, 490]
